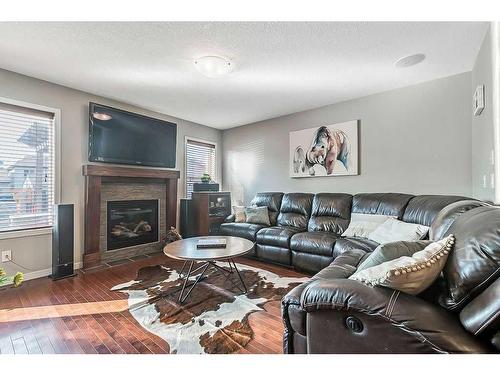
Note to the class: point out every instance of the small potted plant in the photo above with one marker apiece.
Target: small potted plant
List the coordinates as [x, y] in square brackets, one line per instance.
[16, 280]
[205, 178]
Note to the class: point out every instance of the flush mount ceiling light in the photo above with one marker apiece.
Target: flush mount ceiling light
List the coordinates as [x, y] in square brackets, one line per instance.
[212, 66]
[101, 116]
[411, 60]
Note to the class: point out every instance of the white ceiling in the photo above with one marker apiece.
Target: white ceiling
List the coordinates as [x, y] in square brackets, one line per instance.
[279, 68]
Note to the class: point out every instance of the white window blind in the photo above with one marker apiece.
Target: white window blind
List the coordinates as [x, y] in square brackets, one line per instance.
[200, 158]
[26, 168]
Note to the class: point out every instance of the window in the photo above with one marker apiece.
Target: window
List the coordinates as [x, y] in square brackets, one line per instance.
[200, 158]
[26, 167]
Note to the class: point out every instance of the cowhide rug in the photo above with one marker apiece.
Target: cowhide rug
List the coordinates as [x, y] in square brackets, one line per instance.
[214, 318]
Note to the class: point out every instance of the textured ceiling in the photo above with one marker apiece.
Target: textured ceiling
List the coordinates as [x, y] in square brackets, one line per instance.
[279, 67]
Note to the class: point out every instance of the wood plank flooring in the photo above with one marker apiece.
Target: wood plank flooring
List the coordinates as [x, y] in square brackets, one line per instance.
[82, 315]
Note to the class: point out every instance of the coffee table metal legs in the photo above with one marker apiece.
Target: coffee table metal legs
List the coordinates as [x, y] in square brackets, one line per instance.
[204, 267]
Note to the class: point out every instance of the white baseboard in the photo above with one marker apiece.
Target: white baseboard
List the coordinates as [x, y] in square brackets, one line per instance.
[45, 272]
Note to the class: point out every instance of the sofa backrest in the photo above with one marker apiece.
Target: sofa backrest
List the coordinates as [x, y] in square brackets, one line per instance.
[423, 209]
[449, 214]
[295, 210]
[330, 212]
[391, 204]
[474, 262]
[272, 200]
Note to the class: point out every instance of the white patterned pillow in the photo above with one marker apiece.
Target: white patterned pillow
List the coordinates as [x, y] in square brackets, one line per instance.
[393, 230]
[239, 214]
[361, 225]
[410, 275]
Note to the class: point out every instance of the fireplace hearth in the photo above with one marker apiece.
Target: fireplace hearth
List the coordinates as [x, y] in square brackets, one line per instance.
[131, 223]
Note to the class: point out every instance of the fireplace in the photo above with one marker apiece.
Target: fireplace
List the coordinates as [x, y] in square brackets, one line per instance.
[131, 223]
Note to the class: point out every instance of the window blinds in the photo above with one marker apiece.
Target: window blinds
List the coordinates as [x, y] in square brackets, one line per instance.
[26, 168]
[200, 158]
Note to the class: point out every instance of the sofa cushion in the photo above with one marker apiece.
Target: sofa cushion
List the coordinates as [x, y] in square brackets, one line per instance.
[330, 212]
[319, 243]
[362, 225]
[272, 201]
[392, 250]
[276, 236]
[424, 208]
[409, 274]
[244, 230]
[239, 214]
[390, 204]
[353, 243]
[396, 230]
[257, 215]
[295, 210]
[474, 263]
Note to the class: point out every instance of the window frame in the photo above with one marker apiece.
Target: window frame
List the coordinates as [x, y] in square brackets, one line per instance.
[201, 140]
[28, 232]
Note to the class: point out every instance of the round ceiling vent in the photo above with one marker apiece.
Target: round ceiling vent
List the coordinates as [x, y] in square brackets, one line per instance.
[411, 60]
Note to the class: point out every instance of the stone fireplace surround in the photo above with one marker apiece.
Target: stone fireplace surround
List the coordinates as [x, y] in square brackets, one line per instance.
[104, 183]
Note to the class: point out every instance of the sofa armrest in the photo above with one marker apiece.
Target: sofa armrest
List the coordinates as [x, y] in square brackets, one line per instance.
[229, 219]
[379, 320]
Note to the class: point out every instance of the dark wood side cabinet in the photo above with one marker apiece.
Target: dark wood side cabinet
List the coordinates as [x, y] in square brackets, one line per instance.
[209, 210]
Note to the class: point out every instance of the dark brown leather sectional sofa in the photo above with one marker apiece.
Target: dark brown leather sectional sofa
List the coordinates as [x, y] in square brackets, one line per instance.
[459, 313]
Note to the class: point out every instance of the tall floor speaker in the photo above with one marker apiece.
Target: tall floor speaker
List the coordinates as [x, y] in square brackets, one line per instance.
[63, 233]
[186, 218]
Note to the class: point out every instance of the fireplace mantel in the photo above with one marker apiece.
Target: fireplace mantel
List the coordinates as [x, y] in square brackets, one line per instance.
[94, 177]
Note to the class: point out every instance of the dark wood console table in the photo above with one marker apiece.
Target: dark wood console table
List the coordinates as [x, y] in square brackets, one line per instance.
[94, 176]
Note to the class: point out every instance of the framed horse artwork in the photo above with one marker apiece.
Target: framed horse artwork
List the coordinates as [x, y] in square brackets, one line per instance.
[328, 150]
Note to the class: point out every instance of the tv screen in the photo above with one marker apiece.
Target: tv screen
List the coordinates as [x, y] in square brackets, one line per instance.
[122, 137]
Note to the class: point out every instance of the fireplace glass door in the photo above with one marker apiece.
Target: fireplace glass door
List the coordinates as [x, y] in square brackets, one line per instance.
[131, 223]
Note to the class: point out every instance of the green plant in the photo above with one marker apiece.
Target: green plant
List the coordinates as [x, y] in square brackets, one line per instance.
[17, 279]
[205, 178]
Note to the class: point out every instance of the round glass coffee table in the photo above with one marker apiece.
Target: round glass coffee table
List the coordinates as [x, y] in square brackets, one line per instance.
[188, 251]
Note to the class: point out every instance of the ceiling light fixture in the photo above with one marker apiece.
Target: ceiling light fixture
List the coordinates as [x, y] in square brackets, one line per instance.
[411, 60]
[213, 66]
[101, 116]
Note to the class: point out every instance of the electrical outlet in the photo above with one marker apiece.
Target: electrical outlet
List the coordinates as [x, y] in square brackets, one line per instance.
[6, 256]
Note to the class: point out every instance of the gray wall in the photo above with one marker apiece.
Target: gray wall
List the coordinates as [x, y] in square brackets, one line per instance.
[414, 140]
[35, 252]
[482, 135]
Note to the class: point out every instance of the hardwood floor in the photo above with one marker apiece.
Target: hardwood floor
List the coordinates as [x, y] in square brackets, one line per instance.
[82, 315]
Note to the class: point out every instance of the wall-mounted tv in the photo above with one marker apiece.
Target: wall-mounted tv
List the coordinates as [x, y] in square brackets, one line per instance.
[122, 137]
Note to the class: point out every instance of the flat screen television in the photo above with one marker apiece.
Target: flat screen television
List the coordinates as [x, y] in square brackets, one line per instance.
[122, 137]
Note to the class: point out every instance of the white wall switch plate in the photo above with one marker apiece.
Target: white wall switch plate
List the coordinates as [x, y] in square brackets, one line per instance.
[478, 100]
[492, 157]
[492, 180]
[6, 256]
[485, 183]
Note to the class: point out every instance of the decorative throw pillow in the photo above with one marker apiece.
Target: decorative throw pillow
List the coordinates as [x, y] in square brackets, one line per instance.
[392, 250]
[361, 225]
[257, 215]
[239, 214]
[396, 230]
[410, 275]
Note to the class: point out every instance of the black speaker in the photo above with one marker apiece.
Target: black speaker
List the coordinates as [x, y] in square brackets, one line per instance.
[201, 186]
[63, 233]
[186, 218]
